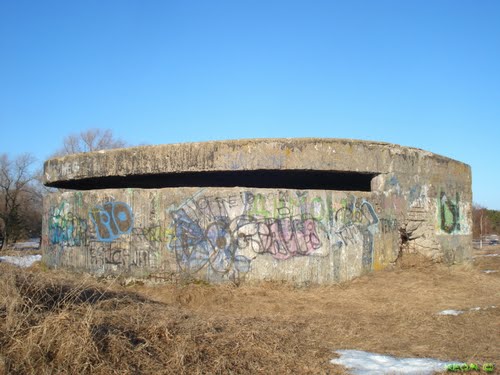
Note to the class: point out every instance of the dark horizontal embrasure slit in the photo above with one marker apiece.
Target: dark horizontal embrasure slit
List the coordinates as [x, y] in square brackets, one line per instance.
[279, 179]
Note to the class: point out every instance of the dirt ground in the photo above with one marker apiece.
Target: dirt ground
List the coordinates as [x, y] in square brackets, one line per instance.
[54, 322]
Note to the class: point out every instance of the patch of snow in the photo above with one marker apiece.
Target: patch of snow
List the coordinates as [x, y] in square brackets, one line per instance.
[450, 312]
[21, 261]
[458, 312]
[490, 271]
[34, 243]
[484, 308]
[365, 363]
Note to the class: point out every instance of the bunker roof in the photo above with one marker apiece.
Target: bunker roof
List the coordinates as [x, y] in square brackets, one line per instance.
[283, 160]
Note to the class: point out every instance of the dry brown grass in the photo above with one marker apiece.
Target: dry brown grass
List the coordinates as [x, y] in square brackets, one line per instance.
[54, 322]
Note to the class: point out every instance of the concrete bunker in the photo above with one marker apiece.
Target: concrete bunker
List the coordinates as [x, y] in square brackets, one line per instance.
[300, 210]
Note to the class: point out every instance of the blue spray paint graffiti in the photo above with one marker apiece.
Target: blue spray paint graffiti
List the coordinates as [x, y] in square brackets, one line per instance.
[66, 228]
[195, 247]
[111, 220]
[207, 234]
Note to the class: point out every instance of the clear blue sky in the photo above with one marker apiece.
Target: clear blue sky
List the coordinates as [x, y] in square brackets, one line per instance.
[417, 73]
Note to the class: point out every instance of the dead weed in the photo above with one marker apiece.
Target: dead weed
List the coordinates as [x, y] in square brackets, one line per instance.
[56, 322]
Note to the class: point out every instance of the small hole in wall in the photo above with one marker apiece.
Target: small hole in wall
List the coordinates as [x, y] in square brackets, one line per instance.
[404, 236]
[404, 241]
[278, 179]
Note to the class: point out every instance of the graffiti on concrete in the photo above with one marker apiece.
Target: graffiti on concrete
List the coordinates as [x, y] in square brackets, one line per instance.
[356, 224]
[222, 235]
[196, 246]
[120, 255]
[285, 204]
[355, 212]
[111, 220]
[389, 225]
[155, 233]
[225, 234]
[282, 238]
[66, 228]
[449, 213]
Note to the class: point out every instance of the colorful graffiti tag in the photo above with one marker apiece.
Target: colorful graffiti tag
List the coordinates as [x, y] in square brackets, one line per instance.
[282, 238]
[449, 213]
[207, 235]
[214, 245]
[111, 220]
[221, 235]
[66, 228]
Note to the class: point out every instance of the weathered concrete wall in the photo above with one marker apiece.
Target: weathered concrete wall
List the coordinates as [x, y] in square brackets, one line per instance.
[418, 201]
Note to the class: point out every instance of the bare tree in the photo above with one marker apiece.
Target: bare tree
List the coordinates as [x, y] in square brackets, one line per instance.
[481, 222]
[17, 196]
[89, 140]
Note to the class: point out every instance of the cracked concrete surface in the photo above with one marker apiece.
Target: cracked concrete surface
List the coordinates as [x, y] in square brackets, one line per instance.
[270, 209]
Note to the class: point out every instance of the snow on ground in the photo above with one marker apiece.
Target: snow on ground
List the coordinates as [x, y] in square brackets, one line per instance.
[34, 243]
[365, 363]
[450, 312]
[458, 312]
[490, 271]
[21, 261]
